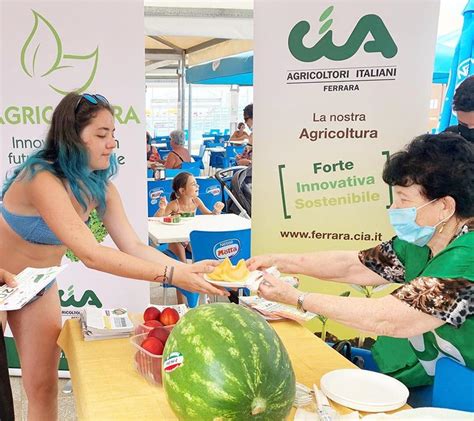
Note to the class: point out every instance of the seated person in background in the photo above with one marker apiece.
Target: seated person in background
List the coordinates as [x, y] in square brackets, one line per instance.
[246, 157]
[240, 134]
[184, 201]
[179, 153]
[6, 398]
[463, 105]
[152, 154]
[431, 258]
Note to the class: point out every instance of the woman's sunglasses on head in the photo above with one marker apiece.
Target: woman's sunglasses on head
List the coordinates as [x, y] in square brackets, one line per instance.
[91, 99]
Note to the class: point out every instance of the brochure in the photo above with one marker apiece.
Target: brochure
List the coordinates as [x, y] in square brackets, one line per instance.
[103, 323]
[272, 310]
[29, 283]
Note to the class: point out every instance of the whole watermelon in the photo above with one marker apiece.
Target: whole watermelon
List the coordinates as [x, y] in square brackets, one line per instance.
[225, 362]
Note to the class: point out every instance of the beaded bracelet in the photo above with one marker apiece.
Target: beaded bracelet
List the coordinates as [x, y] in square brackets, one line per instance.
[163, 277]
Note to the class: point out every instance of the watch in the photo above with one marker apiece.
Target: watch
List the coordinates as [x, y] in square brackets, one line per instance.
[300, 302]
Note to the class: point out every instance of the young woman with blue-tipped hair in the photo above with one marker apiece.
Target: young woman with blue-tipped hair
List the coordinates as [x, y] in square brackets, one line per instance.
[46, 206]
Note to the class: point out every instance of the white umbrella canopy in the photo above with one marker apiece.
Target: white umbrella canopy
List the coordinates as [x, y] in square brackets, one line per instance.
[200, 30]
[183, 33]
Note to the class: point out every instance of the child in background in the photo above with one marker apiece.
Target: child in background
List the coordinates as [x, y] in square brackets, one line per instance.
[184, 202]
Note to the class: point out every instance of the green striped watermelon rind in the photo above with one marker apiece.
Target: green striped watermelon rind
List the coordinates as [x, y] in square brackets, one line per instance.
[234, 367]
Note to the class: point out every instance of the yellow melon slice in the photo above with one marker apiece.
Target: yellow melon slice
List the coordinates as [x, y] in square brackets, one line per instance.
[221, 270]
[226, 272]
[239, 272]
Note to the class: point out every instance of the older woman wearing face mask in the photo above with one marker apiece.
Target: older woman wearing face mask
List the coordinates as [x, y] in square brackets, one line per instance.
[431, 257]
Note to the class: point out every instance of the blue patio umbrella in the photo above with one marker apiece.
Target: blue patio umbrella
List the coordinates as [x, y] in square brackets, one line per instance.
[444, 54]
[462, 65]
[235, 70]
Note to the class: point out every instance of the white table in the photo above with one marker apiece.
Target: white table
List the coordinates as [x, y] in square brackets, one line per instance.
[162, 233]
[216, 149]
[238, 142]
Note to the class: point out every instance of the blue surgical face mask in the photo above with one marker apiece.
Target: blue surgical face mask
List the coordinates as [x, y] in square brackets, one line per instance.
[404, 223]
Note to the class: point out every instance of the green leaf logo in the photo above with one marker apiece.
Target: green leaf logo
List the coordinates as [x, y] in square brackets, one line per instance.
[326, 13]
[72, 68]
[326, 25]
[35, 46]
[42, 56]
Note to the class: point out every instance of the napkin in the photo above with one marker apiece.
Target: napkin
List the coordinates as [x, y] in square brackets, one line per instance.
[256, 276]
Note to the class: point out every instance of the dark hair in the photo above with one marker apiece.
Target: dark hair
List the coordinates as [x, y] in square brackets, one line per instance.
[179, 182]
[148, 138]
[65, 155]
[463, 99]
[241, 124]
[248, 111]
[442, 164]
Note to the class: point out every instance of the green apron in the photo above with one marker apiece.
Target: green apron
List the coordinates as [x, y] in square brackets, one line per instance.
[413, 361]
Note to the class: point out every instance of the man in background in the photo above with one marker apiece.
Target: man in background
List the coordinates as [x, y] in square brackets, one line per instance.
[463, 105]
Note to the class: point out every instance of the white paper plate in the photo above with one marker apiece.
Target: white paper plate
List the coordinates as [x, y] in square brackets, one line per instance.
[247, 282]
[225, 284]
[181, 222]
[440, 414]
[364, 390]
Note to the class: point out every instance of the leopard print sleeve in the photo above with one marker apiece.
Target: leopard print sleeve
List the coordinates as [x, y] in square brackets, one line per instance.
[383, 260]
[451, 300]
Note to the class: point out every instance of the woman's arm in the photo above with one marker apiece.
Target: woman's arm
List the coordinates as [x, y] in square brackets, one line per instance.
[382, 316]
[124, 236]
[244, 161]
[170, 162]
[338, 266]
[49, 197]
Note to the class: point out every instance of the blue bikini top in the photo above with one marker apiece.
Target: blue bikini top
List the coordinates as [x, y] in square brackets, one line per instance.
[31, 228]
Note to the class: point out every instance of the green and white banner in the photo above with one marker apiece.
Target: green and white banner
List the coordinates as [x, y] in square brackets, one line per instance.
[50, 48]
[339, 85]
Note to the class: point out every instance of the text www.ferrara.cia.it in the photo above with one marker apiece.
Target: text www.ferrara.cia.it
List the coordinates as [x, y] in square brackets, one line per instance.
[345, 236]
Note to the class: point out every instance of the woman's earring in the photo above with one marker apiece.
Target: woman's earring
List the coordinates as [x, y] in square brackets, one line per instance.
[442, 227]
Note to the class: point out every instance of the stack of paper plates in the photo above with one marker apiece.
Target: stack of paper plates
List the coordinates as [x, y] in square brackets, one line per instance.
[364, 390]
